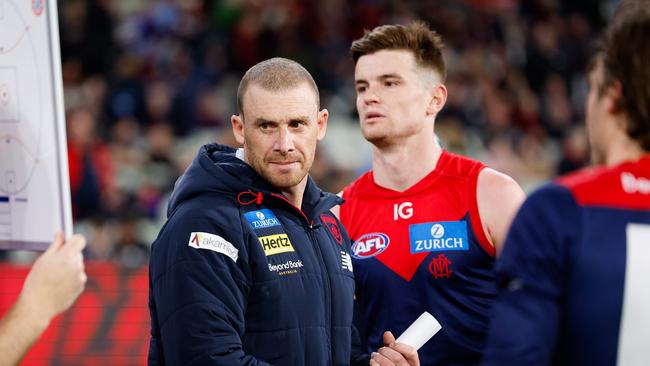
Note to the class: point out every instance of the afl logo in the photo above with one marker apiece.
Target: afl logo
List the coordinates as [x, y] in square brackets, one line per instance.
[437, 231]
[369, 245]
[38, 6]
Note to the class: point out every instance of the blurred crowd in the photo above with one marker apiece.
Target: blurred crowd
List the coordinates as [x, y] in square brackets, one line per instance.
[148, 81]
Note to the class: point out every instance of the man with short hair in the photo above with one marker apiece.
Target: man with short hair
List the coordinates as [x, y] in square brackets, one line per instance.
[251, 267]
[574, 277]
[426, 223]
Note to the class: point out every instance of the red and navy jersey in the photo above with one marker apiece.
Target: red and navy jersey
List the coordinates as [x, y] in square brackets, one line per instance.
[423, 249]
[574, 276]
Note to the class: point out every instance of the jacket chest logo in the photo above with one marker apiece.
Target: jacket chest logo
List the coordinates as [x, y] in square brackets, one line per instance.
[276, 244]
[262, 219]
[333, 226]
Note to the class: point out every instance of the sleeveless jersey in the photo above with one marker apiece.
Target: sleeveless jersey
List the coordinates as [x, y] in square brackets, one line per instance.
[574, 276]
[423, 249]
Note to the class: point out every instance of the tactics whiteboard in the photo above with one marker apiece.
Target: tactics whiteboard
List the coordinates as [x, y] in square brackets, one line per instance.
[34, 182]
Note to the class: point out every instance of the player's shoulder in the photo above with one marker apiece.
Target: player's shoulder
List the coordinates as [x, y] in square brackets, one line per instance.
[496, 180]
[358, 186]
[550, 194]
[625, 185]
[588, 178]
[550, 205]
[460, 165]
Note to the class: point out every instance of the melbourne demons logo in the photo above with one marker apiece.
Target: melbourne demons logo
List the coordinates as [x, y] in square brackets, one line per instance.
[439, 266]
[369, 245]
[333, 225]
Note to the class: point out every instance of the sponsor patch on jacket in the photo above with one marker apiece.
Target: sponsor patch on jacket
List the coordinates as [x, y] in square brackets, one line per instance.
[286, 268]
[369, 245]
[438, 236]
[262, 219]
[276, 244]
[213, 242]
[333, 225]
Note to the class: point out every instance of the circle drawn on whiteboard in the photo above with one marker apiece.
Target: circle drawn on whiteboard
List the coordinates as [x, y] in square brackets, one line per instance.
[18, 169]
[38, 6]
[21, 129]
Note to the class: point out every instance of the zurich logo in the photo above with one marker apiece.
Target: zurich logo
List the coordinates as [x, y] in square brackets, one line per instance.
[438, 236]
[262, 219]
[370, 245]
[437, 231]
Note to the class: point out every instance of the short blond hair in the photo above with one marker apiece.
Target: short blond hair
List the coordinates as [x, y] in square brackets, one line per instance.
[275, 74]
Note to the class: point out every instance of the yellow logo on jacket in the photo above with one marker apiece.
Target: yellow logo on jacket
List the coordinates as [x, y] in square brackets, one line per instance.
[276, 244]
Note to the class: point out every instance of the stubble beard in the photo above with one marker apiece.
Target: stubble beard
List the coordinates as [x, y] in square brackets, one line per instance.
[270, 174]
[375, 135]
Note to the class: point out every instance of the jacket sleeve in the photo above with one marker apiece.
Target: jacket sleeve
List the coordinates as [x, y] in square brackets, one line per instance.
[358, 356]
[530, 276]
[199, 295]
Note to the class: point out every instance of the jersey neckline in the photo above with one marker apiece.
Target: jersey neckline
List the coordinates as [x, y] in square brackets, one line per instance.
[418, 187]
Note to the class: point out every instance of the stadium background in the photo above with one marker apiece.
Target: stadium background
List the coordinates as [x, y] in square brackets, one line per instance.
[147, 82]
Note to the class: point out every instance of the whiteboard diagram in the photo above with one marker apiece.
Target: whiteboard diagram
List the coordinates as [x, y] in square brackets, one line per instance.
[34, 186]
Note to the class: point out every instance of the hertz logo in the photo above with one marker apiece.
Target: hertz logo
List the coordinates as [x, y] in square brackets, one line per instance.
[275, 244]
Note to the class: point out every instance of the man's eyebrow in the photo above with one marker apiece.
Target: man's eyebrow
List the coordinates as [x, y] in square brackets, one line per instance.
[262, 120]
[390, 76]
[380, 77]
[259, 121]
[299, 119]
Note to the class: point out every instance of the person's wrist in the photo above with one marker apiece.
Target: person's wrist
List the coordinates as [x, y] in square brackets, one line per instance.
[34, 314]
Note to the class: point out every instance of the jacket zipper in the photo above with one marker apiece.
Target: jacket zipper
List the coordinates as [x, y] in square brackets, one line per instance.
[328, 284]
[328, 293]
[304, 216]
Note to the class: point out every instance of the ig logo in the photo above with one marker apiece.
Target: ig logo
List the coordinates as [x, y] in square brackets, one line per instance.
[402, 211]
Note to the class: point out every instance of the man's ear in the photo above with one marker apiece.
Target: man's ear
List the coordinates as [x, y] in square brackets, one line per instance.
[323, 116]
[438, 99]
[238, 128]
[614, 93]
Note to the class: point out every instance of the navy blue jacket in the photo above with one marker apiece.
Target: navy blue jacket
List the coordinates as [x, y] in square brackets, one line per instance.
[240, 276]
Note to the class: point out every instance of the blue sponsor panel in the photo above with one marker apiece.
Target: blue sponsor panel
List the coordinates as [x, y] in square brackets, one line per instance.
[369, 245]
[438, 236]
[262, 219]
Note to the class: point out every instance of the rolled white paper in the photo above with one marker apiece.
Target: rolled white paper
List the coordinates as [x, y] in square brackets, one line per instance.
[418, 333]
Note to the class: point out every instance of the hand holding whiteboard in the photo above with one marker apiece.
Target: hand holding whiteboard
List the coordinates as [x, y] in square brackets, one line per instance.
[418, 333]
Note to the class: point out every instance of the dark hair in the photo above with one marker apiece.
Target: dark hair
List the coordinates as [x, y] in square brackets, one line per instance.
[416, 37]
[275, 74]
[624, 50]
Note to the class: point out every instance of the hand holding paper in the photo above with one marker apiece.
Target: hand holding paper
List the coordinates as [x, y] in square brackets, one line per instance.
[406, 346]
[416, 335]
[394, 353]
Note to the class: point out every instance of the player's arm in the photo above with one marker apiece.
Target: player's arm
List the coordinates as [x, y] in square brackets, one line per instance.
[52, 285]
[200, 296]
[530, 277]
[498, 197]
